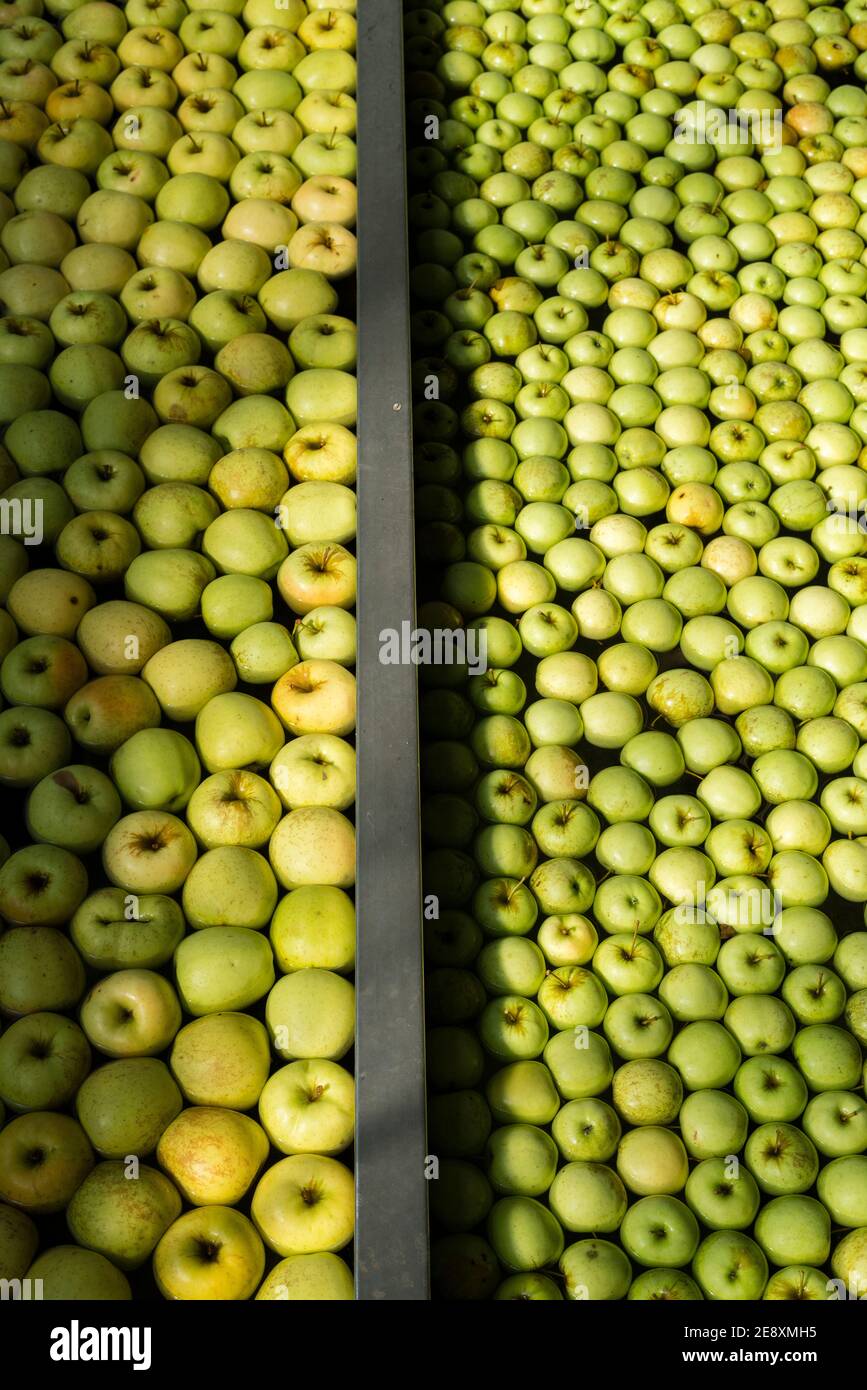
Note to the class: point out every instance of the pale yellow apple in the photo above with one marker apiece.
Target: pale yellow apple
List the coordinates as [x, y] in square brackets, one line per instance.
[233, 808]
[322, 453]
[314, 926]
[316, 697]
[305, 1204]
[314, 845]
[149, 852]
[322, 572]
[222, 1059]
[309, 1107]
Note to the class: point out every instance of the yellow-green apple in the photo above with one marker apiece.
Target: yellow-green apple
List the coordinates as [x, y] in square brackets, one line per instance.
[107, 711]
[185, 675]
[212, 1154]
[169, 581]
[233, 808]
[82, 144]
[326, 198]
[43, 1159]
[74, 807]
[325, 340]
[178, 453]
[156, 770]
[328, 247]
[321, 1277]
[254, 422]
[315, 770]
[235, 731]
[223, 315]
[49, 602]
[305, 1204]
[125, 1106]
[33, 742]
[222, 1059]
[158, 292]
[318, 512]
[311, 1014]
[105, 481]
[69, 101]
[191, 396]
[118, 638]
[43, 1060]
[113, 217]
[322, 453]
[209, 1253]
[19, 1240]
[68, 1274]
[148, 852]
[314, 926]
[244, 541]
[263, 653]
[269, 129]
[309, 1107]
[316, 697]
[253, 478]
[100, 268]
[255, 364]
[115, 930]
[261, 221]
[173, 245]
[293, 295]
[234, 265]
[147, 87]
[42, 671]
[318, 574]
[323, 394]
[131, 1013]
[235, 602]
[34, 291]
[327, 634]
[41, 886]
[157, 346]
[198, 72]
[230, 886]
[100, 545]
[223, 968]
[314, 845]
[122, 1214]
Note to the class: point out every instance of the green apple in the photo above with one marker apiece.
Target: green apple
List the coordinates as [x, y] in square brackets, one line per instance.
[120, 1216]
[719, 1199]
[221, 1059]
[49, 602]
[41, 886]
[235, 602]
[828, 1057]
[647, 1092]
[523, 1233]
[596, 1270]
[782, 1159]
[249, 478]
[305, 1204]
[156, 770]
[660, 1232]
[39, 971]
[173, 515]
[233, 808]
[771, 1089]
[33, 743]
[42, 671]
[235, 730]
[67, 1273]
[131, 1013]
[313, 844]
[730, 1266]
[186, 674]
[124, 1106]
[314, 926]
[588, 1197]
[209, 1253]
[115, 930]
[223, 968]
[19, 1240]
[170, 581]
[794, 1230]
[841, 1190]
[315, 770]
[652, 1160]
[836, 1121]
[311, 1014]
[309, 1107]
[43, 1159]
[230, 886]
[264, 652]
[43, 1060]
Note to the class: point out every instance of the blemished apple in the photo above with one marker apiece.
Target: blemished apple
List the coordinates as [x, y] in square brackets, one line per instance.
[222, 1059]
[122, 1216]
[212, 1154]
[124, 1106]
[40, 971]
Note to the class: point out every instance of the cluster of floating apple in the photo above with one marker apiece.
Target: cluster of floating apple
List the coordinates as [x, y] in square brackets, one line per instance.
[177, 396]
[641, 419]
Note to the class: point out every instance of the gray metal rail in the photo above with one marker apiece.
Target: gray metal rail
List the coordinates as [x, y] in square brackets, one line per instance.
[391, 1240]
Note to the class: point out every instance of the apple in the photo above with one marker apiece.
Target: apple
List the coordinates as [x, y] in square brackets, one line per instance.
[114, 930]
[223, 968]
[221, 1059]
[595, 1269]
[309, 1107]
[170, 581]
[33, 743]
[148, 851]
[251, 478]
[209, 1253]
[304, 1204]
[841, 1190]
[42, 671]
[156, 770]
[122, 1217]
[311, 1014]
[131, 1013]
[43, 1159]
[41, 886]
[647, 1092]
[524, 1234]
[43, 1060]
[119, 638]
[67, 1273]
[828, 1057]
[301, 1277]
[212, 1154]
[730, 1266]
[19, 1240]
[314, 926]
[235, 730]
[187, 674]
[105, 481]
[316, 697]
[109, 710]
